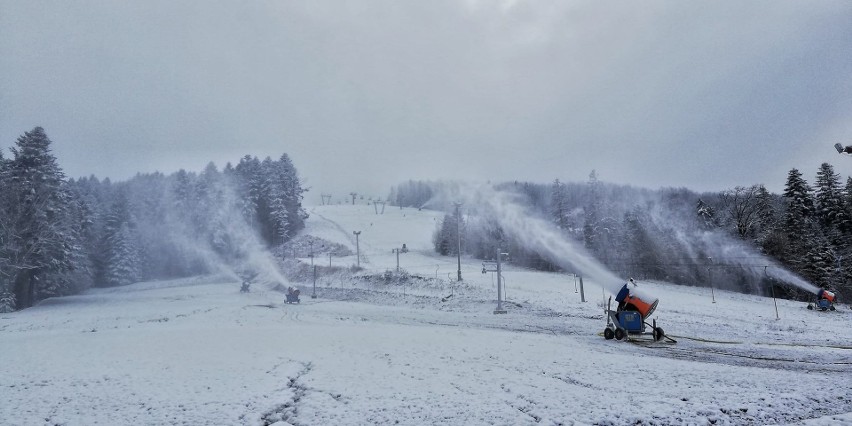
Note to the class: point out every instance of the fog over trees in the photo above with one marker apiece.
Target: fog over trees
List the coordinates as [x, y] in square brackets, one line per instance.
[59, 236]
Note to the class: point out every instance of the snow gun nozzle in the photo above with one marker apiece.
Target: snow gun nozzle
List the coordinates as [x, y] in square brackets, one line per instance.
[629, 299]
[825, 294]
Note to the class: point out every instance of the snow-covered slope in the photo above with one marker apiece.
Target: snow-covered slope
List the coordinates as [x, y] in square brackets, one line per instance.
[375, 349]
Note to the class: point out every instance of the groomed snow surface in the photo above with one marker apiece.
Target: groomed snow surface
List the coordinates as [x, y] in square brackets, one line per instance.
[374, 351]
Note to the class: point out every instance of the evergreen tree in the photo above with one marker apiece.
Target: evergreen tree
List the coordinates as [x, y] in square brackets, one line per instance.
[124, 260]
[801, 231]
[557, 205]
[829, 199]
[799, 195]
[41, 247]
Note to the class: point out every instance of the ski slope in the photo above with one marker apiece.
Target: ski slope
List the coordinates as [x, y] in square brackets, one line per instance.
[371, 351]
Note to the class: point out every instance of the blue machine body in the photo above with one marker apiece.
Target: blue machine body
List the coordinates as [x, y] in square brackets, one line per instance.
[823, 304]
[631, 321]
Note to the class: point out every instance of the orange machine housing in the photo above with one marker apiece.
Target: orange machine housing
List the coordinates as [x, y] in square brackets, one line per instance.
[643, 307]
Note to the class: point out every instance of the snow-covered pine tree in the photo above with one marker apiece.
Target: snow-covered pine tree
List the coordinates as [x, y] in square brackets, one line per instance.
[120, 246]
[293, 193]
[829, 199]
[7, 295]
[249, 183]
[124, 260]
[803, 235]
[40, 245]
[558, 210]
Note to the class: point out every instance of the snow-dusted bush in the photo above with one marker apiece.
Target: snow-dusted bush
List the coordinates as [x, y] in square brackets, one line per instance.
[7, 302]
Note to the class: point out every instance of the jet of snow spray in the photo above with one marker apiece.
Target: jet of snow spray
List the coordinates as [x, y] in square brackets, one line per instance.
[252, 258]
[533, 232]
[543, 237]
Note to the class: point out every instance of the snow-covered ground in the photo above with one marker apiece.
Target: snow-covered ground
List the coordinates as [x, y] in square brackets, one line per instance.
[370, 351]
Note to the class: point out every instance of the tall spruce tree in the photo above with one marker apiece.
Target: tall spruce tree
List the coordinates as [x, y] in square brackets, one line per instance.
[41, 247]
[829, 199]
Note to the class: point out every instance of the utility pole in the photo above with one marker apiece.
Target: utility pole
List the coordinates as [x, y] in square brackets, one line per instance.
[396, 250]
[458, 236]
[357, 246]
[499, 309]
[353, 194]
[314, 294]
[582, 292]
[710, 278]
[772, 287]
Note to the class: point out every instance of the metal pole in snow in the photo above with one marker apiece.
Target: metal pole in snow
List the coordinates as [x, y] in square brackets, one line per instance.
[314, 294]
[357, 246]
[772, 287]
[458, 238]
[499, 309]
[710, 278]
[582, 292]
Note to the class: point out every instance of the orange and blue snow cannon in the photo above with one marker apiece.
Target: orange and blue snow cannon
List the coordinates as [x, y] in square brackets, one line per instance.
[825, 301]
[629, 316]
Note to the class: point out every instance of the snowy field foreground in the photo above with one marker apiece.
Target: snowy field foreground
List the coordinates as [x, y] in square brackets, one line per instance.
[369, 351]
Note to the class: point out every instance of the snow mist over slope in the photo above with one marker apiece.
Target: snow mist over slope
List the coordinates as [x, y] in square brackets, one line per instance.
[235, 248]
[704, 249]
[534, 232]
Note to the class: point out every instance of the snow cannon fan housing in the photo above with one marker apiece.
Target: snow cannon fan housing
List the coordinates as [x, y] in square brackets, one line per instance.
[630, 301]
[827, 295]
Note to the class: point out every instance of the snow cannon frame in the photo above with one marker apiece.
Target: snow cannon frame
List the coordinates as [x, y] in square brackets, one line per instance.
[628, 319]
[292, 295]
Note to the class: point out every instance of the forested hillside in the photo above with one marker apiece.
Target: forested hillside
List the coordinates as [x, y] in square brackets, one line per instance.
[726, 239]
[59, 236]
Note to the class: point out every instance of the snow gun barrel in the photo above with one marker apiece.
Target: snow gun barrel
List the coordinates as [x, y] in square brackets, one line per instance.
[630, 300]
[825, 294]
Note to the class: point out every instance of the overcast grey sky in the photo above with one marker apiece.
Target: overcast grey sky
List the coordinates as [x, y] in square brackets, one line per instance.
[364, 94]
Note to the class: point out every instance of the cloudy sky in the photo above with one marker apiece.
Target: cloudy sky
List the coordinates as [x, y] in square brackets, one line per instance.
[365, 94]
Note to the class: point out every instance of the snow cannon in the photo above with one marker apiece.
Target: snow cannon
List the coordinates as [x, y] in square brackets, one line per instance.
[825, 301]
[629, 317]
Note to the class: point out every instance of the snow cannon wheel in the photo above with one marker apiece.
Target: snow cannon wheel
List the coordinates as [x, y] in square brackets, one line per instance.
[658, 334]
[810, 307]
[832, 308]
[619, 334]
[608, 334]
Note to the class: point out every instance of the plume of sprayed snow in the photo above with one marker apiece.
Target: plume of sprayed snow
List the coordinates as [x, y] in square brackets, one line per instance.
[542, 236]
[533, 232]
[244, 256]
